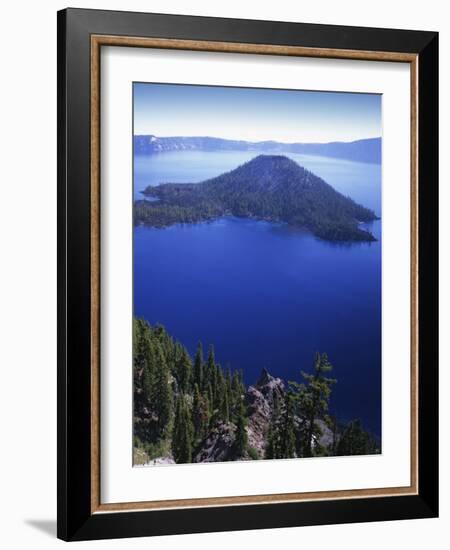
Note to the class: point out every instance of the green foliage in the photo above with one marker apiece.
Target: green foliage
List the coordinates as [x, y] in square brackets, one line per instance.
[178, 402]
[271, 442]
[287, 435]
[184, 371]
[209, 373]
[269, 187]
[237, 391]
[356, 441]
[143, 354]
[311, 402]
[163, 372]
[224, 408]
[162, 395]
[198, 366]
[281, 436]
[183, 432]
[253, 453]
[241, 440]
[201, 414]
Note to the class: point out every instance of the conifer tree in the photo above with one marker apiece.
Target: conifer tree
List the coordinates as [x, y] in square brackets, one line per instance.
[229, 390]
[235, 384]
[208, 412]
[182, 433]
[236, 396]
[220, 388]
[198, 366]
[148, 376]
[208, 370]
[271, 446]
[184, 371]
[200, 415]
[312, 401]
[287, 439]
[224, 407]
[273, 435]
[162, 393]
[141, 344]
[334, 445]
[176, 434]
[211, 358]
[241, 439]
[210, 396]
[356, 441]
[241, 381]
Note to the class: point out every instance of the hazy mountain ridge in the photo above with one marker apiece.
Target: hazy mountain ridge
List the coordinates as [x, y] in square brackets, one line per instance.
[269, 187]
[364, 150]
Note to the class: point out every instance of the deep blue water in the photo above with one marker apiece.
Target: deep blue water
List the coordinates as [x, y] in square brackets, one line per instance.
[264, 294]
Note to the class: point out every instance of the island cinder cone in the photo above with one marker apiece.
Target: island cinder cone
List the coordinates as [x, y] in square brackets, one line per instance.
[269, 187]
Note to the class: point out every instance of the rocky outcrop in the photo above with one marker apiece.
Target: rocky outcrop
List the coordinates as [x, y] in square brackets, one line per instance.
[218, 446]
[259, 400]
[327, 437]
[162, 460]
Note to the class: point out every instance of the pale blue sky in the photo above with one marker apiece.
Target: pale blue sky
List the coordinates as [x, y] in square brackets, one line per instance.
[255, 114]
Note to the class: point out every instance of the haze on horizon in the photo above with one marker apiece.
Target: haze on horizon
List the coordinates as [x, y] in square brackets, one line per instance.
[255, 114]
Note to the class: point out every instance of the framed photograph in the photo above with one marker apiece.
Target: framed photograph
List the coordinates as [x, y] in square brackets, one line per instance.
[247, 274]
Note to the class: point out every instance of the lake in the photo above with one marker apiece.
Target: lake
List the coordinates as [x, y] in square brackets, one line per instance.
[266, 295]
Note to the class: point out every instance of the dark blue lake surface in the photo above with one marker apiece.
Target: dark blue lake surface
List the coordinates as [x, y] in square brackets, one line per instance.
[264, 294]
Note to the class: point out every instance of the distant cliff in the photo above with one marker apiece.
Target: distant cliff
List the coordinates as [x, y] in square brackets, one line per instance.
[364, 150]
[269, 187]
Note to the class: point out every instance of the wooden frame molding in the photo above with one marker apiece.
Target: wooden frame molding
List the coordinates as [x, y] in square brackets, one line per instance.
[96, 42]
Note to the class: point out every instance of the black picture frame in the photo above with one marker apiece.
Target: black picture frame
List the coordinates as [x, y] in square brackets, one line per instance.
[75, 518]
